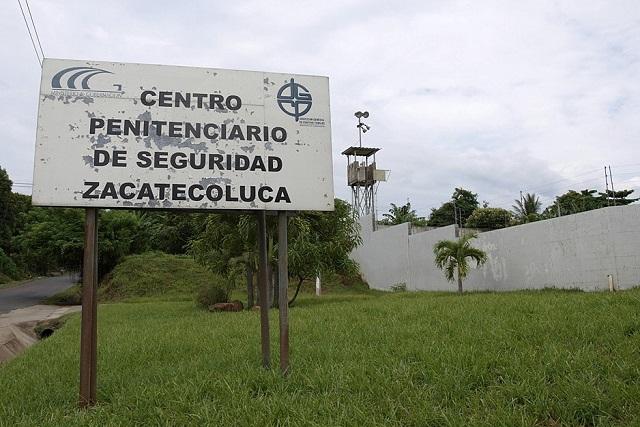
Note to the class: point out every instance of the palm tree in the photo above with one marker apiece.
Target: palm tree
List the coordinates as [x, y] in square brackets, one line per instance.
[528, 207]
[451, 257]
[402, 214]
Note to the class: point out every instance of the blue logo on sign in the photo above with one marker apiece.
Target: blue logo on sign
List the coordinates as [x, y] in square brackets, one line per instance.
[294, 99]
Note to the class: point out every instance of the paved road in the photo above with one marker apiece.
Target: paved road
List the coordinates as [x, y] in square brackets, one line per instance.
[33, 292]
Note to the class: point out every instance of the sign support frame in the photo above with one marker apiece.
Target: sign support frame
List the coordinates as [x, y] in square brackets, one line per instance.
[283, 303]
[89, 322]
[263, 285]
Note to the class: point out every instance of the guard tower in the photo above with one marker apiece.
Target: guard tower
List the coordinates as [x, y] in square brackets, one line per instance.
[362, 175]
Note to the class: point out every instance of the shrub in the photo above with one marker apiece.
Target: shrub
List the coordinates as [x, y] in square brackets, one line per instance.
[70, 296]
[489, 218]
[399, 287]
[4, 278]
[214, 292]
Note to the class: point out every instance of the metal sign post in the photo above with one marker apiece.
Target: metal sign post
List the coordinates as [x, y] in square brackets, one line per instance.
[88, 334]
[263, 285]
[283, 303]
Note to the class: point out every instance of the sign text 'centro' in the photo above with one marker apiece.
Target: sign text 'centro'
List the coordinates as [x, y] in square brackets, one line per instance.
[147, 136]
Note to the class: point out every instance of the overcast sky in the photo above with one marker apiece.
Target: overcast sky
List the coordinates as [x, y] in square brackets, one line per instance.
[493, 96]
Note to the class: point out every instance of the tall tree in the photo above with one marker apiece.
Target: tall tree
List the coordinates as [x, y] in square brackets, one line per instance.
[460, 207]
[528, 208]
[452, 256]
[402, 214]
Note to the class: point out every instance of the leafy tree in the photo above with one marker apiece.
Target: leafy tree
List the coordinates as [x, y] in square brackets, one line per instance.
[320, 242]
[402, 214]
[573, 201]
[227, 245]
[451, 257]
[528, 209]
[461, 206]
[21, 206]
[171, 232]
[52, 238]
[120, 233]
[7, 213]
[491, 218]
[618, 198]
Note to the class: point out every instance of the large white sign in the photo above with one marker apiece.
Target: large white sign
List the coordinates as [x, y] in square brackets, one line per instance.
[148, 136]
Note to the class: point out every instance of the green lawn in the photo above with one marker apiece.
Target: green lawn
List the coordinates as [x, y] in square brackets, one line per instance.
[360, 359]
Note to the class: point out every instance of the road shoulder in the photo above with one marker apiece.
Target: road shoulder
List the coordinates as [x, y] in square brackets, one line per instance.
[17, 327]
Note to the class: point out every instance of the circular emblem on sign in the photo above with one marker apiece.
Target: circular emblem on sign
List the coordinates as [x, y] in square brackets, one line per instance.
[294, 99]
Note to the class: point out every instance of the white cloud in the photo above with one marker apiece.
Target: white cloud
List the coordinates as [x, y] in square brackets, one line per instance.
[494, 96]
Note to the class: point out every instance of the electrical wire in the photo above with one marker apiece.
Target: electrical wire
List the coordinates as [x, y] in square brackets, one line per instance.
[35, 30]
[574, 184]
[30, 35]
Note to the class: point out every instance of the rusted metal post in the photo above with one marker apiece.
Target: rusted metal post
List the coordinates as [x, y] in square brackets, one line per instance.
[88, 333]
[283, 285]
[263, 285]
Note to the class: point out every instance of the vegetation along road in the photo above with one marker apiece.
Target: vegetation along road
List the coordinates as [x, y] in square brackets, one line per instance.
[33, 292]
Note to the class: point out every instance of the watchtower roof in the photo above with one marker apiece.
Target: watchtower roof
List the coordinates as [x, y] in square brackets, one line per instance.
[360, 151]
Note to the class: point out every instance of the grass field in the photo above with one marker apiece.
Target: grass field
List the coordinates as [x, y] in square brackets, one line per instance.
[545, 358]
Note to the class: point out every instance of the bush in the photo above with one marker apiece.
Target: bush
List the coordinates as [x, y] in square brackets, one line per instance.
[213, 293]
[399, 287]
[4, 279]
[70, 296]
[489, 218]
[8, 268]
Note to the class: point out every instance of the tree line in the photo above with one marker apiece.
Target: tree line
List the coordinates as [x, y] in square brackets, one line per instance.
[465, 210]
[38, 241]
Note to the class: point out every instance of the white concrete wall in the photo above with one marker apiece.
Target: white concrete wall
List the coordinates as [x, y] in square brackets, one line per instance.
[574, 251]
[384, 255]
[423, 274]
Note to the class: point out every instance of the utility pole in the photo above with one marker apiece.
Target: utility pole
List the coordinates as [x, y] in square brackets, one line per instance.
[613, 191]
[558, 205]
[606, 184]
[455, 213]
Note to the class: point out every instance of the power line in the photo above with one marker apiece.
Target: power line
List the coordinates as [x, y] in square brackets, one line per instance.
[575, 184]
[30, 35]
[34, 27]
[550, 184]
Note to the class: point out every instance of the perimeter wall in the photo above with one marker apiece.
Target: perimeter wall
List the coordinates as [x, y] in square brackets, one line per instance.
[574, 251]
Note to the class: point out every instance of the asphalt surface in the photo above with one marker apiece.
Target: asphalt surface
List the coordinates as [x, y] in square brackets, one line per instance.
[33, 292]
